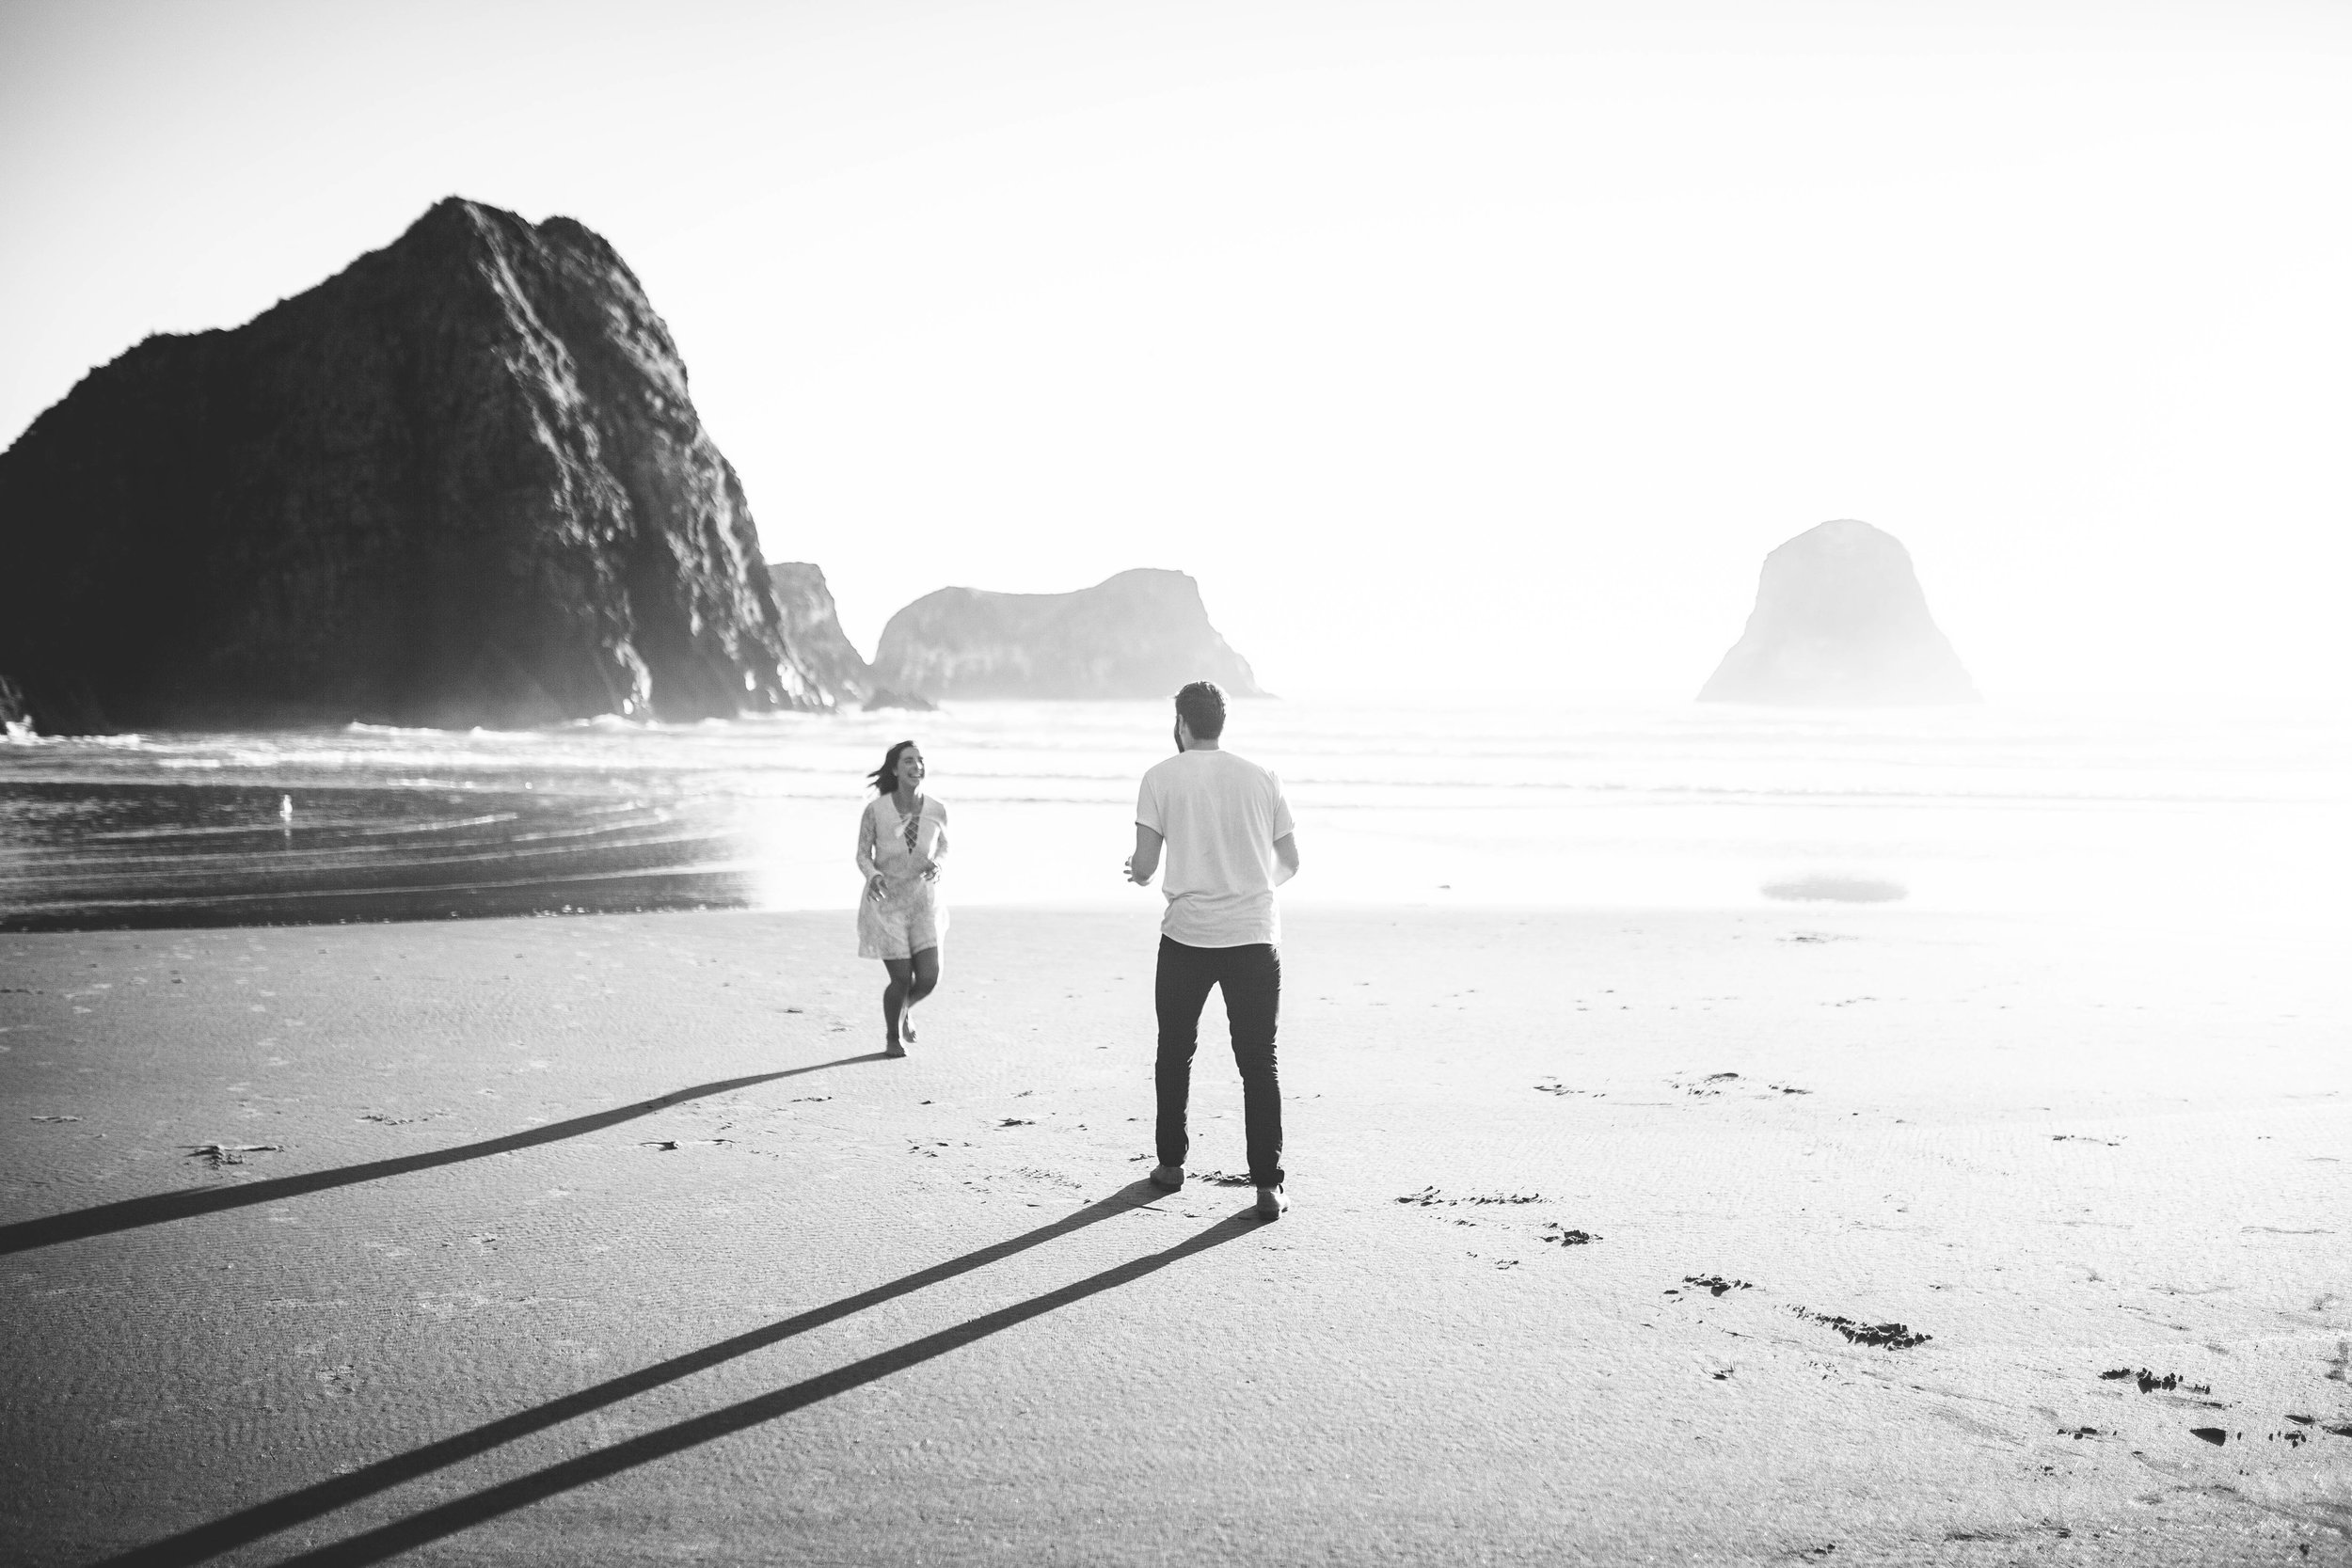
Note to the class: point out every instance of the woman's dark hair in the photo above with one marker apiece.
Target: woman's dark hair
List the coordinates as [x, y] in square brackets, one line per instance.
[886, 778]
[1201, 706]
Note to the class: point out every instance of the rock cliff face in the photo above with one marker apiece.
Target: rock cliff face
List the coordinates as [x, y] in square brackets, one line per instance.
[813, 628]
[461, 482]
[1840, 622]
[1141, 634]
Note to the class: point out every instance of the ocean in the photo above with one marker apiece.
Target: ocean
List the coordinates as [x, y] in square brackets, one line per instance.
[2172, 817]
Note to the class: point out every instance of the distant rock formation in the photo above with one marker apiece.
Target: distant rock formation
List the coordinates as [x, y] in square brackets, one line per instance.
[460, 482]
[1140, 634]
[1840, 622]
[812, 626]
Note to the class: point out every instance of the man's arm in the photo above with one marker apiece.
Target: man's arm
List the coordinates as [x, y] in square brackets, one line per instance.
[1286, 856]
[1145, 863]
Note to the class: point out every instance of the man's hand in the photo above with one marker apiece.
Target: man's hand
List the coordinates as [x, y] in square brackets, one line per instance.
[1285, 858]
[1145, 863]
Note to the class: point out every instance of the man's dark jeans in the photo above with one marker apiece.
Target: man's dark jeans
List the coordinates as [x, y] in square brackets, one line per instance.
[1252, 978]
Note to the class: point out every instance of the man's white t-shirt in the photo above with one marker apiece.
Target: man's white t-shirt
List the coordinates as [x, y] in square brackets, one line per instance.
[1220, 815]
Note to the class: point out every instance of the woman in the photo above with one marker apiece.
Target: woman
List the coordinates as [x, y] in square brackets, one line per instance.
[900, 840]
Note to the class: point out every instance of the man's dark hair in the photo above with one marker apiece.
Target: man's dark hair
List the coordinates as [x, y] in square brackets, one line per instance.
[1201, 706]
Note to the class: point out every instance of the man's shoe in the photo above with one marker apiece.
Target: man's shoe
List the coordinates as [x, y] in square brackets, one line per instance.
[1167, 1177]
[1271, 1203]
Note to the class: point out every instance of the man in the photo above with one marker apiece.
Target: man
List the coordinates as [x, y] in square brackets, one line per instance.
[1228, 833]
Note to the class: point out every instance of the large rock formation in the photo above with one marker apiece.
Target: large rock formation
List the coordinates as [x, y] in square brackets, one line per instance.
[1141, 634]
[461, 482]
[812, 626]
[1840, 622]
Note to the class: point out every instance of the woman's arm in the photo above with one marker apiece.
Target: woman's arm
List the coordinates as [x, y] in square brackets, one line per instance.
[866, 844]
[868, 856]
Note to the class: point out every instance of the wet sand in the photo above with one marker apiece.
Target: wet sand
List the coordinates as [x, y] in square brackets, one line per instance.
[1775, 1237]
[77, 854]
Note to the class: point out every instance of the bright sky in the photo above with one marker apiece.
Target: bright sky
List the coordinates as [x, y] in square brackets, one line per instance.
[1449, 343]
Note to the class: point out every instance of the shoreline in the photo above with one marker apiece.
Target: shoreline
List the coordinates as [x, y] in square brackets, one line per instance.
[632, 1201]
[1485, 805]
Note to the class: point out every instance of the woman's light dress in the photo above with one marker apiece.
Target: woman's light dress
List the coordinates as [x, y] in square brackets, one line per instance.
[909, 915]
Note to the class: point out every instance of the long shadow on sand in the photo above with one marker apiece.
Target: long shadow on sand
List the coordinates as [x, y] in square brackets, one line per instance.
[161, 1208]
[251, 1524]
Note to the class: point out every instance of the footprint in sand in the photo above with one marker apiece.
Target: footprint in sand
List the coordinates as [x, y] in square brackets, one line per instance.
[217, 1155]
[1430, 1197]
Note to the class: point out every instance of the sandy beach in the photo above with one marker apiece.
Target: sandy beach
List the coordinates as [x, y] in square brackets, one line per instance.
[613, 1240]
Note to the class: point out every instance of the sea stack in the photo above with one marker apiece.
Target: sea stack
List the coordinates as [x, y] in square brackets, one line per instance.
[460, 482]
[811, 624]
[1840, 622]
[1143, 633]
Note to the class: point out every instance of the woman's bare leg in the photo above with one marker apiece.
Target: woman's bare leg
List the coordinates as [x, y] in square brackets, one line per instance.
[901, 972]
[926, 962]
[926, 974]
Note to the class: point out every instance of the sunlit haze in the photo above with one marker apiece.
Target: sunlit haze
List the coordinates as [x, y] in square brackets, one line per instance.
[1449, 345]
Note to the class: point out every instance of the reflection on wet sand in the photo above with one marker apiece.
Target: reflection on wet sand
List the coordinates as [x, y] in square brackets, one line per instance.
[1835, 889]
